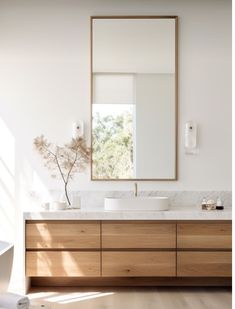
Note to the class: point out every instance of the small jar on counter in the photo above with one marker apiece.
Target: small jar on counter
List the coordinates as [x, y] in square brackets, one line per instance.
[204, 203]
[210, 205]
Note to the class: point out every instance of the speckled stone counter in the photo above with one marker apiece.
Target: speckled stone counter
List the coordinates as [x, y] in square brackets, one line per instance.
[176, 213]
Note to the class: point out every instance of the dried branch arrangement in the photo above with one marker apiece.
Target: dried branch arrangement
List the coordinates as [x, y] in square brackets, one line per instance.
[64, 161]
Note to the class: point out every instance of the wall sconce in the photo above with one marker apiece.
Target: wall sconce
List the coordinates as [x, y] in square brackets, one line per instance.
[78, 129]
[190, 138]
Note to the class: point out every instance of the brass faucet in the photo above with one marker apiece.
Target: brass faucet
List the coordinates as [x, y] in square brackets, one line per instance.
[136, 189]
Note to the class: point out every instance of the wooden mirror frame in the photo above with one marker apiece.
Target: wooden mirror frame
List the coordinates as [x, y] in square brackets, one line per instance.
[176, 91]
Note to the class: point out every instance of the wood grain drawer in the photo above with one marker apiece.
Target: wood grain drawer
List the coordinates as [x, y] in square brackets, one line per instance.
[204, 264]
[62, 264]
[204, 235]
[63, 235]
[138, 235]
[137, 264]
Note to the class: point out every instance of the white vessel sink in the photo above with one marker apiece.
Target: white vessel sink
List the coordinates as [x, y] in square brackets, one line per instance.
[152, 203]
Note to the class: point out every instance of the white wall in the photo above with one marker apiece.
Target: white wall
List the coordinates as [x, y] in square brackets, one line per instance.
[45, 83]
[45, 86]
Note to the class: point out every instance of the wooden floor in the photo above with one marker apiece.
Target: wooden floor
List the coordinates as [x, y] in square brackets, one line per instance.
[132, 298]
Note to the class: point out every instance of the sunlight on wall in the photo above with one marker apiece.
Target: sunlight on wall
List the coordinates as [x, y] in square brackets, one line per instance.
[7, 152]
[32, 192]
[7, 183]
[16, 180]
[39, 189]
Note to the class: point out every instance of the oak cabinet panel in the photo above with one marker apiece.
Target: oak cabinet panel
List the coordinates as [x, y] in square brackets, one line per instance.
[63, 235]
[204, 235]
[137, 264]
[204, 264]
[139, 235]
[62, 264]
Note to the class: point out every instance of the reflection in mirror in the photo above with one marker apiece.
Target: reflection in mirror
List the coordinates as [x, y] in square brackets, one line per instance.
[134, 98]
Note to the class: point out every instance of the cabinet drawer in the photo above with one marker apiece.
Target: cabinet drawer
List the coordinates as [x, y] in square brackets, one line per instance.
[59, 234]
[204, 235]
[139, 235]
[137, 264]
[204, 264]
[62, 264]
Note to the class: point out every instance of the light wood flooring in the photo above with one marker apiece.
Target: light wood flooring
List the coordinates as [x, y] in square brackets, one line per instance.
[132, 298]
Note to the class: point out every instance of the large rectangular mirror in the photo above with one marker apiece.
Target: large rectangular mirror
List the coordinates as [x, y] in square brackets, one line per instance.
[134, 98]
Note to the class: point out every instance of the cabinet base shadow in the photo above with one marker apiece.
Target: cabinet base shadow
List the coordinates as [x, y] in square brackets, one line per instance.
[130, 281]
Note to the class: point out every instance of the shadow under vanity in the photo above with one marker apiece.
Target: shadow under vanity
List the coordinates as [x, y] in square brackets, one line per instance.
[126, 252]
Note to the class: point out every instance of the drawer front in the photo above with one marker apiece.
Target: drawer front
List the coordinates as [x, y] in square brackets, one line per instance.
[204, 264]
[138, 264]
[138, 235]
[59, 234]
[62, 264]
[204, 236]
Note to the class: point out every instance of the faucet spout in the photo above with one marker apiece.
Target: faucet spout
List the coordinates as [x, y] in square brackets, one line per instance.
[136, 190]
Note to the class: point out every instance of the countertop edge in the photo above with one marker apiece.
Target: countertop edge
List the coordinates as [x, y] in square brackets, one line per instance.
[176, 215]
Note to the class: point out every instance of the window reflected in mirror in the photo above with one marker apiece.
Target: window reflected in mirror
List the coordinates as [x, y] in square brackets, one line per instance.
[113, 126]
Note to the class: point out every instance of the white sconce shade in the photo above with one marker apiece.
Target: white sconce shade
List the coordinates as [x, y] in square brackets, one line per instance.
[78, 129]
[190, 138]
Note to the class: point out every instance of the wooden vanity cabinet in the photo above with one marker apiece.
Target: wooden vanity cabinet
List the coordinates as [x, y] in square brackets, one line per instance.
[174, 250]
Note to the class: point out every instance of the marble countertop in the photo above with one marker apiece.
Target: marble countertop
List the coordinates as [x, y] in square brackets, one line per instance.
[176, 213]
